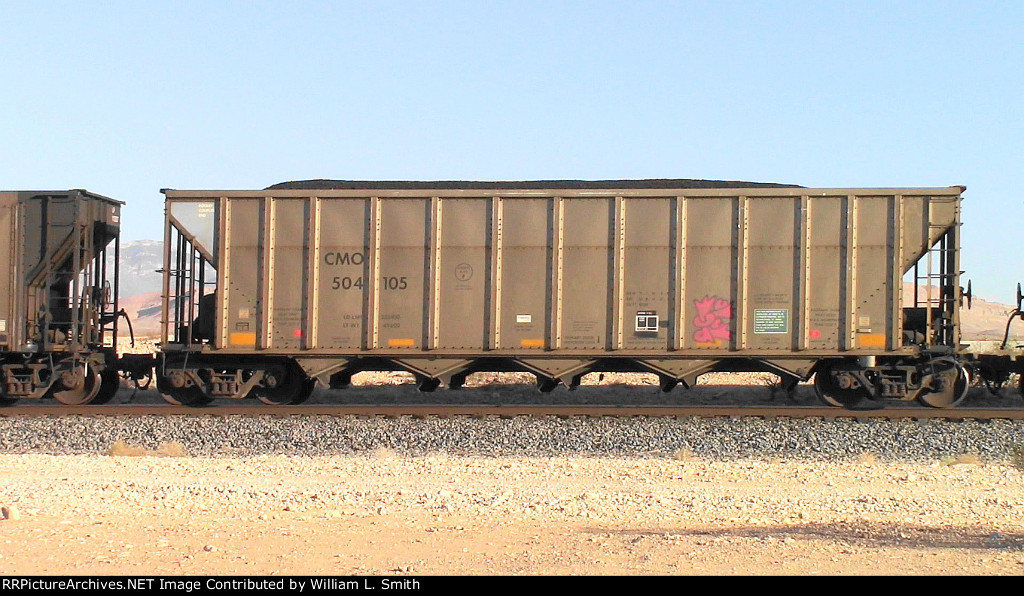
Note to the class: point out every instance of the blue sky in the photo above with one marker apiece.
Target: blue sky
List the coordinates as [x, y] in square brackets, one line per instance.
[125, 98]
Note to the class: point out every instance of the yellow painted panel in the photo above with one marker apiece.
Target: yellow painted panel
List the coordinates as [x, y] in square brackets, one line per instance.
[871, 340]
[242, 339]
[532, 343]
[401, 343]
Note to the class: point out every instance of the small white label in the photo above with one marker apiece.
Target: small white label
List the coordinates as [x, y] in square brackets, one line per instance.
[3, 325]
[646, 321]
[524, 318]
[243, 313]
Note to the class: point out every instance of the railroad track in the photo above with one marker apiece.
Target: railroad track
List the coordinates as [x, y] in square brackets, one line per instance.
[506, 411]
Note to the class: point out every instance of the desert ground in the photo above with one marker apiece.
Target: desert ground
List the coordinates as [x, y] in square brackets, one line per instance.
[163, 512]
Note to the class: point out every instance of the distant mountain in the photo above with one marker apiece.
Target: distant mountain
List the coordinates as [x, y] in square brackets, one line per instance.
[140, 261]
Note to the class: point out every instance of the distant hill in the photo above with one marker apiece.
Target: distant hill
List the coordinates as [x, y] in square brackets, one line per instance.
[987, 320]
[984, 320]
[149, 324]
[141, 284]
[140, 261]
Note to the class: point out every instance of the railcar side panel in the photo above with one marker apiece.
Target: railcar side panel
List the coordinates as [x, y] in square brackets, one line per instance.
[871, 304]
[343, 273]
[401, 283]
[242, 263]
[749, 272]
[771, 272]
[459, 318]
[709, 284]
[523, 274]
[288, 269]
[645, 267]
[825, 266]
[587, 274]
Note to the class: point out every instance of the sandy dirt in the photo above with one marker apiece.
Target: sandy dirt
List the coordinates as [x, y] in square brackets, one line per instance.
[386, 514]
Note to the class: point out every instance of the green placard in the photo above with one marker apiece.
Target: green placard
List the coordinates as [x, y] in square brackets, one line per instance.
[771, 320]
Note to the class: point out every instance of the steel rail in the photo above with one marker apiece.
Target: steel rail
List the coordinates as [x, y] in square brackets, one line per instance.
[508, 411]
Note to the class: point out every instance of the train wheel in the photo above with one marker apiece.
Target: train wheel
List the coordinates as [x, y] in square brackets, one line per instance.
[834, 392]
[110, 381]
[955, 383]
[80, 385]
[192, 396]
[283, 387]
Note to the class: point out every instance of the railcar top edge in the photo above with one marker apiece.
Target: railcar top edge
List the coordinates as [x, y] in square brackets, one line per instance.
[82, 191]
[534, 189]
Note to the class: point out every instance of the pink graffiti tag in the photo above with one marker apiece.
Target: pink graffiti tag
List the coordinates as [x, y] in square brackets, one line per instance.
[712, 320]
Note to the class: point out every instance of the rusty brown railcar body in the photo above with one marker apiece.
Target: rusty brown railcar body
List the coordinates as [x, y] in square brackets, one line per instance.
[267, 291]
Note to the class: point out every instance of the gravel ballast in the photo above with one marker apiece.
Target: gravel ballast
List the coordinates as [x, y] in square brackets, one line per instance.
[716, 438]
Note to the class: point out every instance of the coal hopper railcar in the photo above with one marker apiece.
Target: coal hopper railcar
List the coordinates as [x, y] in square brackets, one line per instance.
[59, 304]
[268, 291]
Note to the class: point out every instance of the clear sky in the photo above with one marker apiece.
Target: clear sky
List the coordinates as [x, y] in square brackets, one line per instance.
[126, 98]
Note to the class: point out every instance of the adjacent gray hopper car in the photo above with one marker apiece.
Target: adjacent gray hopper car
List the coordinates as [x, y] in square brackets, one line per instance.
[268, 291]
[58, 304]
